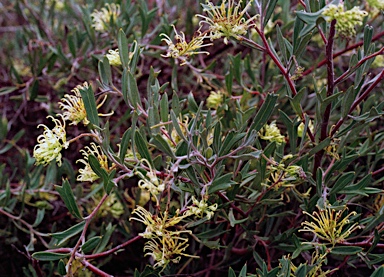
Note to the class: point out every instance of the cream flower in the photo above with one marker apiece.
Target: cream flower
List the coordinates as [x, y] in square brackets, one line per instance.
[227, 20]
[272, 133]
[182, 49]
[200, 208]
[150, 182]
[86, 173]
[346, 20]
[300, 128]
[73, 106]
[50, 143]
[103, 18]
[215, 99]
[114, 57]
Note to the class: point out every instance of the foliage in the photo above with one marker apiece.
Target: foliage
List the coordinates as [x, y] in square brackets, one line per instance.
[249, 144]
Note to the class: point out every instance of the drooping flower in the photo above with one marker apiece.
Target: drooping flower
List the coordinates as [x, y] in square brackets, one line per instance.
[201, 208]
[346, 20]
[150, 182]
[101, 20]
[50, 143]
[330, 225]
[165, 243]
[227, 20]
[73, 106]
[215, 99]
[114, 57]
[272, 133]
[182, 49]
[86, 173]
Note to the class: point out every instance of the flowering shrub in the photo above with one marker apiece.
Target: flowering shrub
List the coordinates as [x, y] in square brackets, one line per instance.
[244, 139]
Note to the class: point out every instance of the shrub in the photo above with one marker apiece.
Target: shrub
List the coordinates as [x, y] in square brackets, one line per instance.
[245, 138]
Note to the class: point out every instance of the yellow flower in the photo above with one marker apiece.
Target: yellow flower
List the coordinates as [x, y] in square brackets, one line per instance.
[150, 182]
[215, 99]
[165, 245]
[50, 143]
[86, 173]
[330, 225]
[182, 49]
[114, 57]
[227, 20]
[73, 106]
[103, 18]
[200, 208]
[272, 133]
[300, 129]
[346, 20]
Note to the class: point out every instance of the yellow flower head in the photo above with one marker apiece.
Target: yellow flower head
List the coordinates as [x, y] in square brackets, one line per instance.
[215, 99]
[200, 208]
[103, 18]
[114, 57]
[150, 182]
[330, 225]
[227, 20]
[165, 245]
[272, 133]
[50, 143]
[86, 173]
[182, 49]
[346, 20]
[73, 106]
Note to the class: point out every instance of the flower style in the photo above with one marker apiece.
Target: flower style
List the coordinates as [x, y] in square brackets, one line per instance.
[50, 143]
[73, 106]
[150, 182]
[103, 18]
[272, 133]
[182, 49]
[164, 246]
[329, 225]
[114, 57]
[200, 208]
[227, 21]
[86, 173]
[346, 20]
[215, 99]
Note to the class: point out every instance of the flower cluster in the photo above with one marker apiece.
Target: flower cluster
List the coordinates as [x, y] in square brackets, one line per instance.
[346, 20]
[86, 173]
[164, 245]
[182, 49]
[150, 182]
[73, 106]
[50, 143]
[106, 16]
[272, 133]
[200, 208]
[215, 99]
[330, 225]
[227, 20]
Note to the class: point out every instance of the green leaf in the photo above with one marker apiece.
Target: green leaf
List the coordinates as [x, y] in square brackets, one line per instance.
[133, 91]
[106, 235]
[176, 125]
[90, 244]
[162, 145]
[66, 194]
[269, 11]
[67, 234]
[90, 105]
[379, 272]
[124, 144]
[233, 221]
[221, 183]
[142, 147]
[320, 146]
[346, 250]
[122, 42]
[231, 272]
[368, 33]
[344, 180]
[7, 90]
[49, 256]
[61, 268]
[230, 140]
[347, 101]
[280, 41]
[264, 113]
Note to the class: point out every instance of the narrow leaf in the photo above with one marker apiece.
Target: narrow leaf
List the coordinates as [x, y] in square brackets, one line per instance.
[66, 194]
